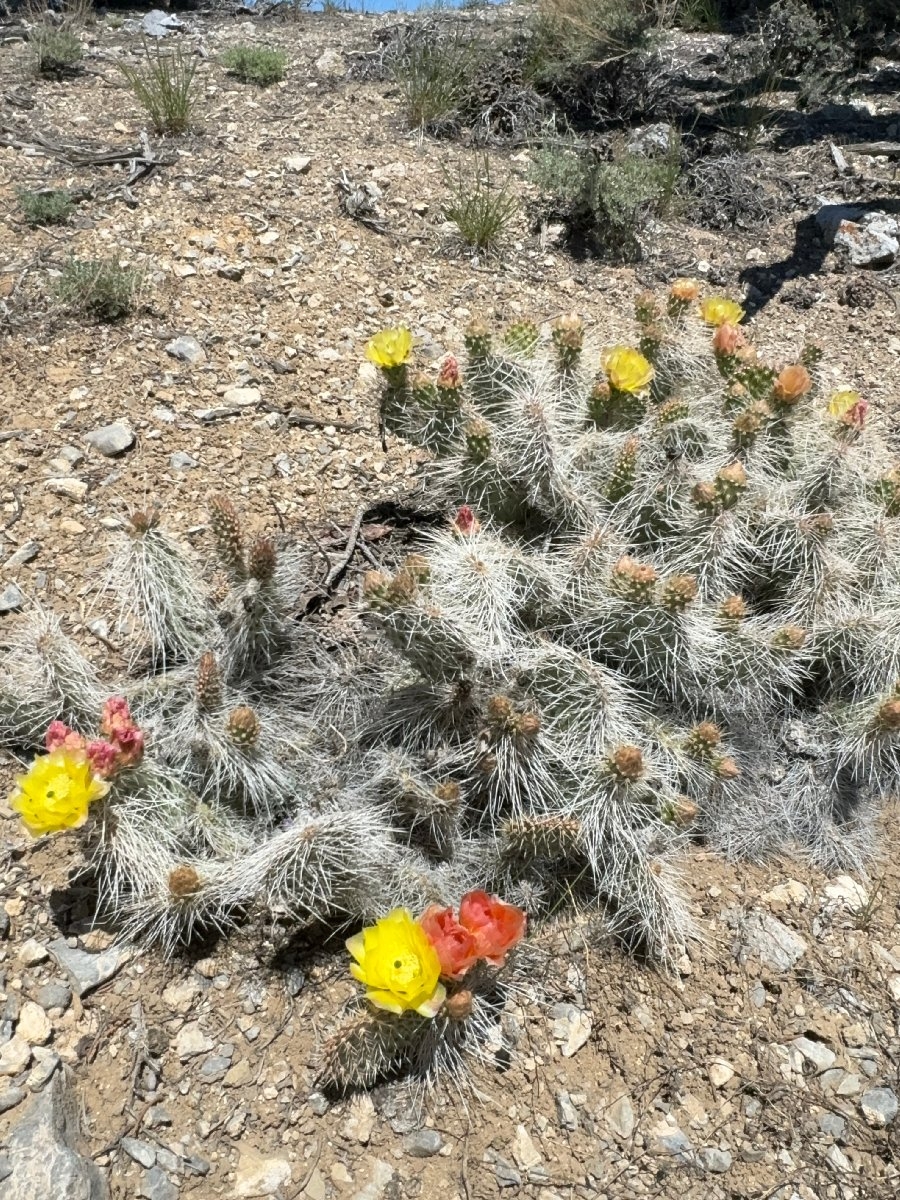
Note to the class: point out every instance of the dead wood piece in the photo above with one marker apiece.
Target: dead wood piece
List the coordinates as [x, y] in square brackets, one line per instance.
[890, 149]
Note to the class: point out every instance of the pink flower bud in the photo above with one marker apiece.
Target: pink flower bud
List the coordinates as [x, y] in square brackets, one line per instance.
[103, 757]
[855, 417]
[116, 714]
[130, 746]
[448, 376]
[60, 737]
[465, 521]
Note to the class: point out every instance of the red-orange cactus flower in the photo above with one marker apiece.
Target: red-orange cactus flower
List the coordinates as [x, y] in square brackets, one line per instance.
[455, 945]
[496, 926]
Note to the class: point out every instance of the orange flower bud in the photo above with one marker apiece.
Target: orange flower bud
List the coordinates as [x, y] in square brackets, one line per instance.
[791, 383]
[728, 339]
[685, 291]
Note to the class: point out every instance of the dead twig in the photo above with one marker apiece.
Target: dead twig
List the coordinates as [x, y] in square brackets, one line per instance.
[82, 154]
[337, 571]
[361, 547]
[308, 420]
[464, 1169]
[873, 149]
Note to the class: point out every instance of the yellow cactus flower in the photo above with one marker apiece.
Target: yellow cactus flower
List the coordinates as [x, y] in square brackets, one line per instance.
[841, 402]
[716, 310]
[390, 348]
[56, 793]
[398, 965]
[626, 369]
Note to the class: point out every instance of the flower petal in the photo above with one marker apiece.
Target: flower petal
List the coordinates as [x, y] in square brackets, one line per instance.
[386, 1001]
[357, 946]
[431, 1007]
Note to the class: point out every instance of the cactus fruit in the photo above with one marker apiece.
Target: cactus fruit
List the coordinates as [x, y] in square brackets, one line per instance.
[789, 637]
[702, 740]
[568, 338]
[811, 355]
[458, 1007]
[262, 560]
[634, 581]
[184, 881]
[647, 309]
[626, 763]
[677, 592]
[887, 490]
[242, 727]
[681, 812]
[673, 410]
[729, 485]
[228, 536]
[623, 472]
[888, 716]
[209, 683]
[477, 340]
[478, 440]
[733, 608]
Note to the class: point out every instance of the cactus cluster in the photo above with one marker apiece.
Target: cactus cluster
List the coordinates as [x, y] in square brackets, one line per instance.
[662, 608]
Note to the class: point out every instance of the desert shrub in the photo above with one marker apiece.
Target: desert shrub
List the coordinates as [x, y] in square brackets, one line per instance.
[56, 50]
[606, 202]
[50, 206]
[726, 192]
[255, 64]
[813, 47]
[582, 51]
[164, 86]
[661, 608]
[479, 208]
[100, 288]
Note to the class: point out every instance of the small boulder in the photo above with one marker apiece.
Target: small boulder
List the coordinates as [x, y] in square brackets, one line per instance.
[879, 1106]
[331, 65]
[187, 349]
[11, 598]
[111, 440]
[42, 1150]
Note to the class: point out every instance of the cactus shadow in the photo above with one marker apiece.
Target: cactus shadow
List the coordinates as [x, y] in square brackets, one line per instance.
[806, 258]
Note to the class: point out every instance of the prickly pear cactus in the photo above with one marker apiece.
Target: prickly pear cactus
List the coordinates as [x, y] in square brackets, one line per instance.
[663, 607]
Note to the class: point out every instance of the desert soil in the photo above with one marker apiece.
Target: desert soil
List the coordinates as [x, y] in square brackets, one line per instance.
[767, 1067]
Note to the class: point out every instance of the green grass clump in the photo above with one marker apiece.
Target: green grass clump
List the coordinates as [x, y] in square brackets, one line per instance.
[100, 288]
[164, 86]
[255, 64]
[435, 77]
[52, 206]
[699, 16]
[56, 51]
[479, 208]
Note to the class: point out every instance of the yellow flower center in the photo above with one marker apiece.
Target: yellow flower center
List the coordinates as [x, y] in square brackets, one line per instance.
[58, 786]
